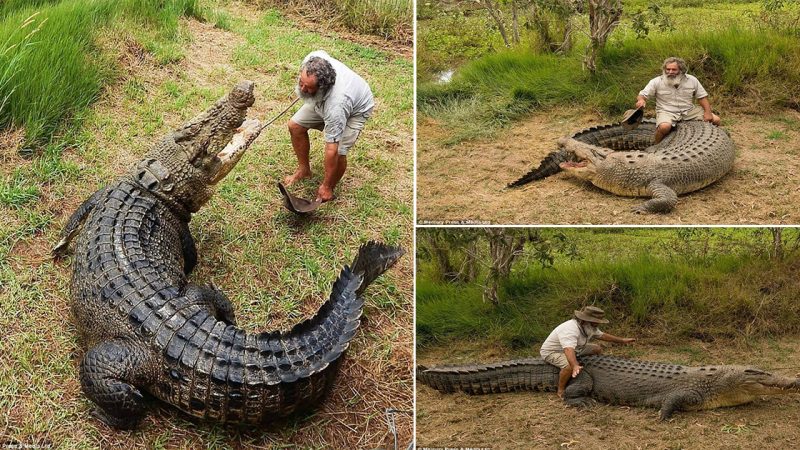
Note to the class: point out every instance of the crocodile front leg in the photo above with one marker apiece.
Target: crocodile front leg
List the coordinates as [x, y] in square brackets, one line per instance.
[212, 298]
[109, 374]
[75, 221]
[188, 248]
[663, 201]
[679, 401]
[579, 390]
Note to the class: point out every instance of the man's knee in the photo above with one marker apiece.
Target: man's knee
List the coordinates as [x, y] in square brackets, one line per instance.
[592, 349]
[296, 129]
[665, 127]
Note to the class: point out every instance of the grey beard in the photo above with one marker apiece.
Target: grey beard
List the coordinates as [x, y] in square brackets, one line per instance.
[310, 98]
[675, 80]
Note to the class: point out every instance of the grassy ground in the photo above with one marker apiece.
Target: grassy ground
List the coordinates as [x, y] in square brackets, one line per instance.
[526, 420]
[276, 268]
[651, 282]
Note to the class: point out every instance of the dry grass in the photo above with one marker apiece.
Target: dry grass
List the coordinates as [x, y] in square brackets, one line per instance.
[276, 268]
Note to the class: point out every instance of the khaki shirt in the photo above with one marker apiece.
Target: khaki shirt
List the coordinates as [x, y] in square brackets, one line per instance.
[568, 334]
[349, 96]
[672, 99]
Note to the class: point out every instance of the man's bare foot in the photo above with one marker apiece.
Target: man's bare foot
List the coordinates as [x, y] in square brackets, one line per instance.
[298, 175]
[560, 394]
[325, 193]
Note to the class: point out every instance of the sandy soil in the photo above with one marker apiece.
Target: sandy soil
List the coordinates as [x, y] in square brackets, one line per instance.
[465, 183]
[527, 420]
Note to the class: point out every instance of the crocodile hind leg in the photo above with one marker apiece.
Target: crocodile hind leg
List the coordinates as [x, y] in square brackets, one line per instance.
[663, 201]
[212, 298]
[579, 391]
[108, 376]
[75, 221]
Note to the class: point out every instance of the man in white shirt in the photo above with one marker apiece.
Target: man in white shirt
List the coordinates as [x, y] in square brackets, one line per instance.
[571, 339]
[338, 102]
[675, 91]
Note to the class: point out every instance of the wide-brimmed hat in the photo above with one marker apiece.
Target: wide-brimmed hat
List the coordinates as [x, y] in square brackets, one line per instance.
[632, 118]
[591, 314]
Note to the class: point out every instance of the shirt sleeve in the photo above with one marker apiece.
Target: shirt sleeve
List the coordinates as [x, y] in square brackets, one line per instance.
[567, 339]
[335, 115]
[699, 91]
[650, 89]
[597, 333]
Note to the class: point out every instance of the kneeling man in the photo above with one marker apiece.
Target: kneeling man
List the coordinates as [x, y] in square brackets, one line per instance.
[571, 339]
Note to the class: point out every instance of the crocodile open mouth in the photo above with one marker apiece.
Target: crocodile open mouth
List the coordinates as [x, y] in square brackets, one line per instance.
[573, 165]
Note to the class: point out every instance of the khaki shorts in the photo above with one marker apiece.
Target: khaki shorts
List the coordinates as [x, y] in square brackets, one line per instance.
[696, 113]
[308, 118]
[559, 359]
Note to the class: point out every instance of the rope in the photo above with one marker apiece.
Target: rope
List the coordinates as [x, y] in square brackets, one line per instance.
[277, 117]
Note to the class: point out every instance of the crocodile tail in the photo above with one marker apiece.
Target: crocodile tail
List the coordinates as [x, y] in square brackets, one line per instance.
[312, 350]
[548, 166]
[507, 376]
[372, 260]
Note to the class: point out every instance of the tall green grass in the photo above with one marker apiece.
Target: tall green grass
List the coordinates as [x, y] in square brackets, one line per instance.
[59, 71]
[390, 19]
[741, 67]
[386, 18]
[727, 296]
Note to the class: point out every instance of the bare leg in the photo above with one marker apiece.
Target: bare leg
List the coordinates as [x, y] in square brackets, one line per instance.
[563, 378]
[663, 129]
[335, 166]
[301, 145]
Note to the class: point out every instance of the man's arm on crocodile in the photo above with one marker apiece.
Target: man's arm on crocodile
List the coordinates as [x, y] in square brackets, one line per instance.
[617, 340]
[572, 359]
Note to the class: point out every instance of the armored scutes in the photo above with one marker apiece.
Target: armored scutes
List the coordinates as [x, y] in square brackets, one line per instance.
[150, 332]
[627, 163]
[667, 387]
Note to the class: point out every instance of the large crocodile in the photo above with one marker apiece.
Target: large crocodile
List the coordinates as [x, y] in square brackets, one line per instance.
[668, 387]
[151, 332]
[626, 162]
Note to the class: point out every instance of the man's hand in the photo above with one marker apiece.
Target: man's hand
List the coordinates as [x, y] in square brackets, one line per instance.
[627, 340]
[640, 103]
[576, 370]
[708, 116]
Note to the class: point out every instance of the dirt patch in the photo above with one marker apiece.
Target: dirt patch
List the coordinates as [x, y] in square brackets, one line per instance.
[530, 419]
[466, 182]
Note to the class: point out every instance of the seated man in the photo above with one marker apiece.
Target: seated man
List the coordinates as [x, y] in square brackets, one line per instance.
[571, 338]
[336, 101]
[675, 91]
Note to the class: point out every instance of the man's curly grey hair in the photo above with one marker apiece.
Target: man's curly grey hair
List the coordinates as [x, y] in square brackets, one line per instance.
[673, 59]
[322, 70]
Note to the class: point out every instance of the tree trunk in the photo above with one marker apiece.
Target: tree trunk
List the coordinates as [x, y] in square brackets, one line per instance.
[504, 247]
[440, 251]
[496, 15]
[777, 243]
[604, 16]
[514, 22]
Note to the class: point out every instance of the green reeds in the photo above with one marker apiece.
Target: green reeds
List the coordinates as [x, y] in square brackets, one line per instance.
[58, 70]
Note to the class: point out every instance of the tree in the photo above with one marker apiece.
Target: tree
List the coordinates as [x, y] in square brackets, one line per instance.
[497, 15]
[604, 17]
